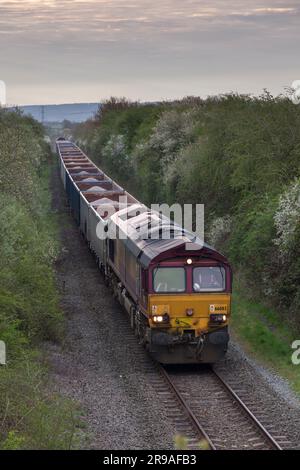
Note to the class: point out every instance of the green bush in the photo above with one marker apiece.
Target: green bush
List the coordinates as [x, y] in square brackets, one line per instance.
[31, 416]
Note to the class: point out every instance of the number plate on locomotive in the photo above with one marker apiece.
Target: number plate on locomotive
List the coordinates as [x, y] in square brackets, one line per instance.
[218, 308]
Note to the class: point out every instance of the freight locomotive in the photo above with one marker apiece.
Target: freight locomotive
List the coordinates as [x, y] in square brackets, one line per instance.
[175, 289]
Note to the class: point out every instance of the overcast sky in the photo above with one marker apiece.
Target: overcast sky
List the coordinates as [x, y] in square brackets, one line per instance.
[58, 51]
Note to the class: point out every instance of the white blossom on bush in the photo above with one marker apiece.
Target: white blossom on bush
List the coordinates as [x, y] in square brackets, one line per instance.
[287, 217]
[219, 229]
[173, 130]
[141, 146]
[115, 147]
[83, 143]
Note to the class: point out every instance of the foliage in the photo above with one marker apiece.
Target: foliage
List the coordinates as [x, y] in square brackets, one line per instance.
[31, 417]
[261, 329]
[26, 256]
[115, 154]
[287, 217]
[220, 229]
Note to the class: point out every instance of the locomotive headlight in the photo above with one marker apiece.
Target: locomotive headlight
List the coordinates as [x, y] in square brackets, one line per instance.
[218, 318]
[161, 318]
[158, 319]
[189, 261]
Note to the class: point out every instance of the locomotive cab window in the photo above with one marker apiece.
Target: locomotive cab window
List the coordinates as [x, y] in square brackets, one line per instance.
[209, 279]
[169, 279]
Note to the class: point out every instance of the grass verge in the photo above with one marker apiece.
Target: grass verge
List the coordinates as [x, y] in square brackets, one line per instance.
[265, 334]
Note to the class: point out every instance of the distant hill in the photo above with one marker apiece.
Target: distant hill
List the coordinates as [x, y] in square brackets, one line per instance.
[75, 112]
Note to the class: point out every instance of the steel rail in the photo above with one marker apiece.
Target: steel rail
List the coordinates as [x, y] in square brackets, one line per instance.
[196, 423]
[249, 413]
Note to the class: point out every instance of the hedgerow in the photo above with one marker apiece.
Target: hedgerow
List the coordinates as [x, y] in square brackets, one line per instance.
[31, 416]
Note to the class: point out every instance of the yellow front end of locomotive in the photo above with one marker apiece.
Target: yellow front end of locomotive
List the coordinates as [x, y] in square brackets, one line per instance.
[199, 312]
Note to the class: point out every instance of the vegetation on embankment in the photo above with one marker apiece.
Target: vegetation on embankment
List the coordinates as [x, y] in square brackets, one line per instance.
[31, 417]
[238, 155]
[261, 331]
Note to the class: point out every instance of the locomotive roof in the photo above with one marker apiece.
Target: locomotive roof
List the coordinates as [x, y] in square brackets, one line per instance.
[150, 235]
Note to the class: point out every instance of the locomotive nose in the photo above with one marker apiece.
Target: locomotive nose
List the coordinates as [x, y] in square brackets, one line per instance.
[189, 312]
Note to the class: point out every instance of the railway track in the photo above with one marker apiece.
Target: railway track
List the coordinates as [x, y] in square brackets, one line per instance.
[212, 413]
[201, 405]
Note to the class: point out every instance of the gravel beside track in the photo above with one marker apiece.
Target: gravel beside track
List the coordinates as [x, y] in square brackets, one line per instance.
[266, 394]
